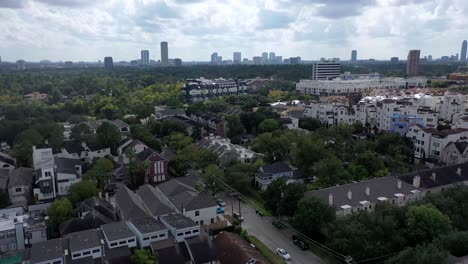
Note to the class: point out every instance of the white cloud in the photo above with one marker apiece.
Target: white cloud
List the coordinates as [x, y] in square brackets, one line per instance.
[89, 29]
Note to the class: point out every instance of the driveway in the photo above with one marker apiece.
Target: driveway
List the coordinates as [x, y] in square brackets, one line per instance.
[272, 237]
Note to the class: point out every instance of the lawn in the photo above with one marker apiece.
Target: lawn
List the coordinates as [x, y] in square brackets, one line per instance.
[270, 255]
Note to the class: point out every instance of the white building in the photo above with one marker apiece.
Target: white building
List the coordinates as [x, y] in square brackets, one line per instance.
[339, 86]
[325, 70]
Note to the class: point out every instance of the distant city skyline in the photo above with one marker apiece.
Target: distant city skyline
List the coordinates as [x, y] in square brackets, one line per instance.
[84, 30]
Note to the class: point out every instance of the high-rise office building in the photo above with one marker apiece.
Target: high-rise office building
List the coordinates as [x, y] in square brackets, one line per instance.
[264, 57]
[271, 57]
[429, 58]
[326, 70]
[257, 60]
[214, 57]
[463, 51]
[394, 59]
[21, 65]
[237, 57]
[177, 62]
[412, 63]
[354, 55]
[164, 53]
[145, 57]
[108, 63]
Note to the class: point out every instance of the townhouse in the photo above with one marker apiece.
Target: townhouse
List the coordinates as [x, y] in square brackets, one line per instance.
[269, 172]
[226, 151]
[19, 186]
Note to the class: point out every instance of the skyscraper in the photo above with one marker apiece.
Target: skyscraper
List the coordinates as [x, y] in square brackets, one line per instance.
[264, 57]
[271, 57]
[325, 70]
[164, 53]
[412, 63]
[214, 57]
[463, 51]
[108, 63]
[354, 55]
[145, 57]
[236, 57]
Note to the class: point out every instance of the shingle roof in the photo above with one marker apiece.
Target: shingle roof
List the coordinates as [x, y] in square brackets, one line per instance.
[443, 176]
[66, 165]
[277, 167]
[99, 205]
[232, 249]
[83, 240]
[148, 225]
[21, 176]
[116, 231]
[129, 204]
[461, 146]
[119, 123]
[74, 148]
[379, 187]
[46, 250]
[145, 154]
[201, 250]
[153, 201]
[7, 160]
[183, 195]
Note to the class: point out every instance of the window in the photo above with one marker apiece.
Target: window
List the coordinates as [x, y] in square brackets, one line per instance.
[86, 253]
[45, 184]
[162, 235]
[18, 189]
[43, 233]
[12, 246]
[212, 220]
[96, 250]
[201, 222]
[57, 262]
[195, 231]
[2, 235]
[48, 174]
[146, 238]
[113, 244]
[76, 255]
[131, 240]
[11, 234]
[180, 234]
[197, 213]
[188, 232]
[122, 242]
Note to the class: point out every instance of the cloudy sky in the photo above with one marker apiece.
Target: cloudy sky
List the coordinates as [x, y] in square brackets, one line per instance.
[88, 30]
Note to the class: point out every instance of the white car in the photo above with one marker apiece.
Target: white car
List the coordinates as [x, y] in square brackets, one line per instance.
[283, 253]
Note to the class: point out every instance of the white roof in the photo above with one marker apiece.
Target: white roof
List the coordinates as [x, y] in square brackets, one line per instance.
[399, 194]
[364, 202]
[382, 198]
[344, 207]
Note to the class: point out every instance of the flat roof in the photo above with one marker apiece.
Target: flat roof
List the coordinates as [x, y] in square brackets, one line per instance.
[46, 250]
[83, 240]
[116, 231]
[179, 221]
[148, 225]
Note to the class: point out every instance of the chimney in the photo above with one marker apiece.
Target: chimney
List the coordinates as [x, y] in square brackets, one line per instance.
[107, 196]
[83, 144]
[330, 199]
[350, 194]
[417, 181]
[367, 190]
[433, 176]
[100, 195]
[46, 141]
[399, 184]
[459, 171]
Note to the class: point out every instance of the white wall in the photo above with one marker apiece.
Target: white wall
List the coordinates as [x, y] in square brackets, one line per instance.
[205, 215]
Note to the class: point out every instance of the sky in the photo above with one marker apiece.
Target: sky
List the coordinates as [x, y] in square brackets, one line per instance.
[89, 30]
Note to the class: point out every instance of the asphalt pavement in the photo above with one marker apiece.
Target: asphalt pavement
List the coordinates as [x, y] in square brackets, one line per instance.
[262, 228]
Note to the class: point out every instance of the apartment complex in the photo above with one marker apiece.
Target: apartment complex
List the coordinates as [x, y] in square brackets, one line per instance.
[202, 89]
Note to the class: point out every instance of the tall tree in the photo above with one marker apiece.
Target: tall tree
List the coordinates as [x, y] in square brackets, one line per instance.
[421, 254]
[292, 193]
[81, 191]
[426, 223]
[100, 173]
[312, 216]
[108, 135]
[58, 212]
[272, 195]
[143, 256]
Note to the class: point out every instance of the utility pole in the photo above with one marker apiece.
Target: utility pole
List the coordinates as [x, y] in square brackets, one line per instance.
[240, 214]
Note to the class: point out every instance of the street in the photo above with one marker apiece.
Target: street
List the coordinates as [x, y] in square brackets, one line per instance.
[272, 237]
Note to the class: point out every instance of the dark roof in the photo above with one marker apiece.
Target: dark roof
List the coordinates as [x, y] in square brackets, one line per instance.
[461, 146]
[116, 231]
[153, 201]
[170, 255]
[181, 194]
[172, 112]
[232, 249]
[129, 204]
[119, 123]
[148, 225]
[178, 221]
[277, 167]
[91, 220]
[145, 154]
[442, 176]
[21, 176]
[96, 147]
[85, 260]
[83, 240]
[66, 165]
[379, 187]
[201, 250]
[118, 255]
[74, 148]
[46, 250]
[7, 160]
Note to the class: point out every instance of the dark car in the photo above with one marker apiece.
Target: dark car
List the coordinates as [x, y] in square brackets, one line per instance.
[300, 243]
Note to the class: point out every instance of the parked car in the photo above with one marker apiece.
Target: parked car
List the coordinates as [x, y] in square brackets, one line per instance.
[283, 254]
[220, 210]
[238, 216]
[220, 202]
[300, 243]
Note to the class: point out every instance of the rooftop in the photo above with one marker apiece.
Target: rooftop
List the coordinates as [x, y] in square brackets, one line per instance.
[83, 240]
[178, 221]
[148, 225]
[116, 231]
[21, 176]
[46, 251]
[437, 177]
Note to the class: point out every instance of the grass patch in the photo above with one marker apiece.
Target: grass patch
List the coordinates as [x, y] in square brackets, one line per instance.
[266, 252]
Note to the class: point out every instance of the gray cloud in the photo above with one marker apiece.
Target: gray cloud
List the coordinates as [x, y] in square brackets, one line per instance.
[68, 3]
[270, 19]
[12, 3]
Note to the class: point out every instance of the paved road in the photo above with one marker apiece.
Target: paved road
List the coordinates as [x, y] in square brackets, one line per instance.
[272, 237]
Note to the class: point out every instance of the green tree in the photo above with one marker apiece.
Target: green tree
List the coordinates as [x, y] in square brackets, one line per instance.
[330, 172]
[310, 123]
[178, 141]
[240, 176]
[100, 173]
[273, 194]
[455, 242]
[143, 256]
[81, 191]
[306, 152]
[58, 212]
[23, 146]
[213, 178]
[371, 162]
[268, 125]
[274, 147]
[292, 193]
[426, 223]
[235, 127]
[108, 135]
[313, 216]
[421, 254]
